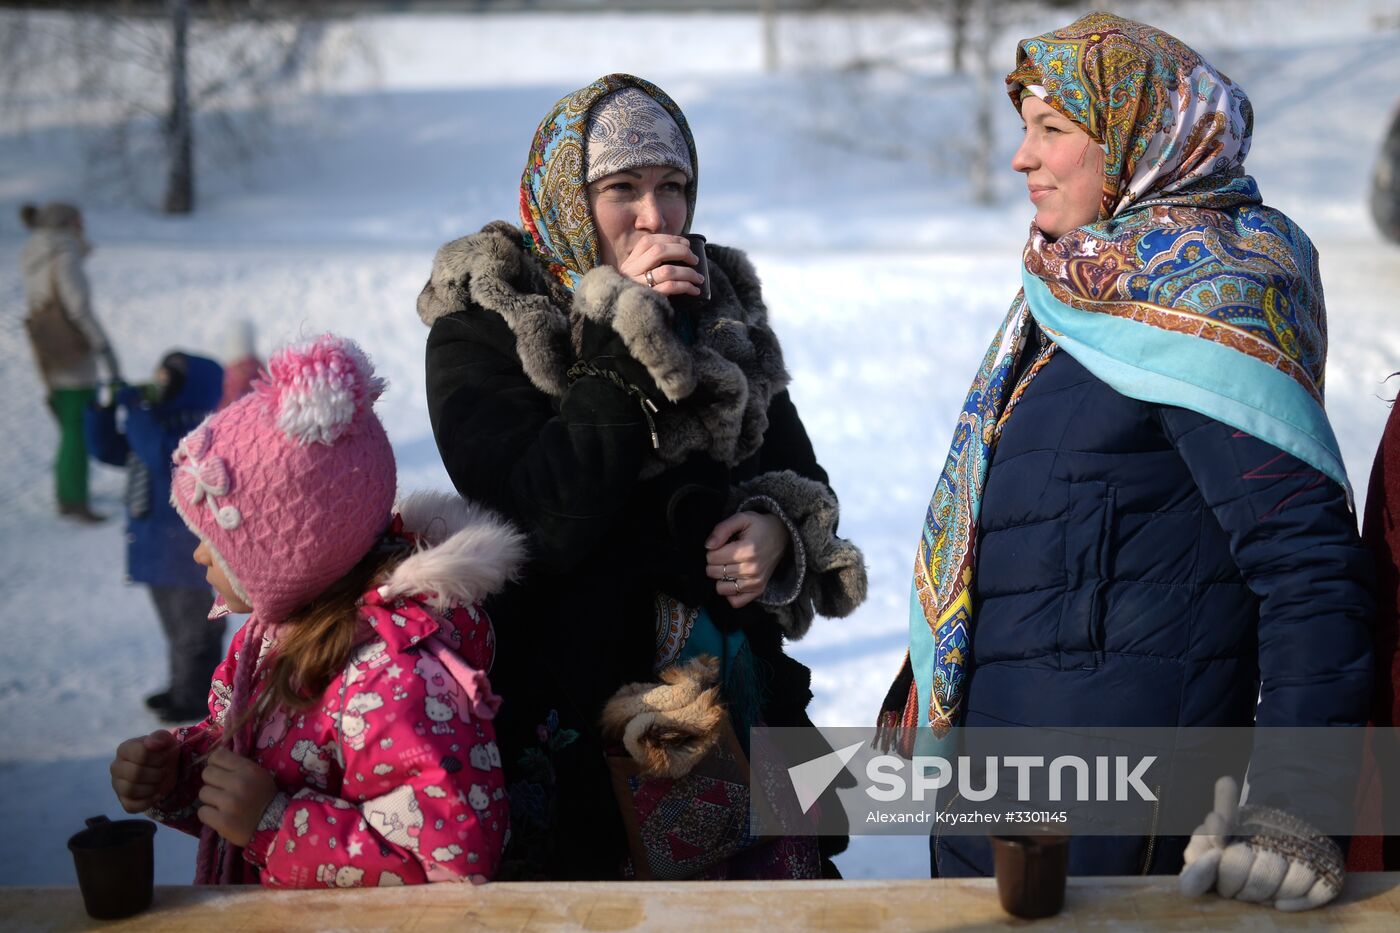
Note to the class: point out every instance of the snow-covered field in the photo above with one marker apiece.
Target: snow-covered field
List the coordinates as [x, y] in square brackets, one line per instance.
[884, 280]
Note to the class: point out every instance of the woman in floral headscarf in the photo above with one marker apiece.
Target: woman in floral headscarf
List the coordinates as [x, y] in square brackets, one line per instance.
[645, 438]
[1143, 519]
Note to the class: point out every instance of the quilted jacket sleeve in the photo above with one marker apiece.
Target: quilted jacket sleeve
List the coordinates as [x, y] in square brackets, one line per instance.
[423, 797]
[1294, 539]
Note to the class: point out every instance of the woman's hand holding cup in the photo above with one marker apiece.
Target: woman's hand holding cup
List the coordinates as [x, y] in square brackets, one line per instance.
[655, 255]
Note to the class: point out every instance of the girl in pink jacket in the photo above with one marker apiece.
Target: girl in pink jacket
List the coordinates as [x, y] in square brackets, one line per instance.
[349, 740]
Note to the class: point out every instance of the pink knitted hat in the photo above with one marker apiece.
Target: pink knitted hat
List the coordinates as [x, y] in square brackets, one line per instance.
[291, 485]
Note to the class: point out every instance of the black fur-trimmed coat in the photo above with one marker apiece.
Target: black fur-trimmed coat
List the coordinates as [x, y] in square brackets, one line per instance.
[611, 519]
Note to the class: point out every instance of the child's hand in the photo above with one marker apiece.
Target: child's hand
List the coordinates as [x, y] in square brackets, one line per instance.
[236, 791]
[144, 770]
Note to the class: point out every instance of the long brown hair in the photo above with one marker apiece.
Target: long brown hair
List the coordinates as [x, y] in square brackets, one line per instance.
[315, 642]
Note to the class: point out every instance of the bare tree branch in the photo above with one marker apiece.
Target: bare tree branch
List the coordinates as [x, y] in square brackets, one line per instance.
[117, 64]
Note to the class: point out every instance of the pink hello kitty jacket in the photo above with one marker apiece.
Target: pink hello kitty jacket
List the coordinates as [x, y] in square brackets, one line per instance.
[394, 777]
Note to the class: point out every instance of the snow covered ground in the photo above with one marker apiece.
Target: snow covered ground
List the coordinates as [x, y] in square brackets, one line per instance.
[884, 281]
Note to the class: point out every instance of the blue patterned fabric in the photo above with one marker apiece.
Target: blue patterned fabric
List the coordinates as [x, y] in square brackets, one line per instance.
[554, 213]
[940, 611]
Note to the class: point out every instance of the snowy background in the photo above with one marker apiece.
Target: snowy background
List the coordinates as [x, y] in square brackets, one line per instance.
[884, 279]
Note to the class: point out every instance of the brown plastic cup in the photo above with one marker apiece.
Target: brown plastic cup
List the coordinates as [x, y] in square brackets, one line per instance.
[116, 866]
[1031, 869]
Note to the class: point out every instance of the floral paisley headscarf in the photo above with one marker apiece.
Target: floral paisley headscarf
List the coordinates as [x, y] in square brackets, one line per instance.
[558, 226]
[1186, 291]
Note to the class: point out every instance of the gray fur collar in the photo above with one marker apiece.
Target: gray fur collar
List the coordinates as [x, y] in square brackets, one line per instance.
[719, 388]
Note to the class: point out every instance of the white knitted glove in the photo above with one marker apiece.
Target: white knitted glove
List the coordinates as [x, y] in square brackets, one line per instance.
[1208, 841]
[1260, 855]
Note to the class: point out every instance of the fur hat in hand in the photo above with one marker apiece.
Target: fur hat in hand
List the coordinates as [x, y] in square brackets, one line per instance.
[668, 727]
[291, 485]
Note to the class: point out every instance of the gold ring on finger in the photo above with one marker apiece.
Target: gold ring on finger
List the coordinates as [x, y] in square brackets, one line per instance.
[651, 282]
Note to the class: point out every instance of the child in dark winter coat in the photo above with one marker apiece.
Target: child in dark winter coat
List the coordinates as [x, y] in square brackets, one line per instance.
[349, 739]
[152, 421]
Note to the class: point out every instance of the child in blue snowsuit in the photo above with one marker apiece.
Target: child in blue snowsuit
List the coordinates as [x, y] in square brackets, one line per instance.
[153, 419]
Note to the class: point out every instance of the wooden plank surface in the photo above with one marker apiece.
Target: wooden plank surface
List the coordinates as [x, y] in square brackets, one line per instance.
[1371, 902]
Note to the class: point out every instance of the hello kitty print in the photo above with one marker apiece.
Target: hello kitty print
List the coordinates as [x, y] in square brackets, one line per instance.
[393, 778]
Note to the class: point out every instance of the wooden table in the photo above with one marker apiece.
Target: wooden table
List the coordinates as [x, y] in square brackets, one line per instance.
[1371, 902]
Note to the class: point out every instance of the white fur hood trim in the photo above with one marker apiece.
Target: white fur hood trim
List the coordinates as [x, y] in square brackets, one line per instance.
[466, 552]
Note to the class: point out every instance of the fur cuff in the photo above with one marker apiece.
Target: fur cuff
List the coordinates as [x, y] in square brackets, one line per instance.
[668, 727]
[784, 590]
[835, 575]
[642, 318]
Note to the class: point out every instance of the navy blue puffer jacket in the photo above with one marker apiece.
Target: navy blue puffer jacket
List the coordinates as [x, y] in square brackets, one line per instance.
[1143, 565]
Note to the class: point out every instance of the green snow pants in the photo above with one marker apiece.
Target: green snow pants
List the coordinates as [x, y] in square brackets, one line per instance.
[70, 470]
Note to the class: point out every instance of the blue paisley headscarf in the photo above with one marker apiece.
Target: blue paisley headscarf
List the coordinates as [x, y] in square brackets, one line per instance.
[554, 215]
[1186, 291]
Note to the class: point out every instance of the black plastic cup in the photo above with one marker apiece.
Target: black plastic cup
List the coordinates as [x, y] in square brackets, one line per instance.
[1031, 871]
[116, 866]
